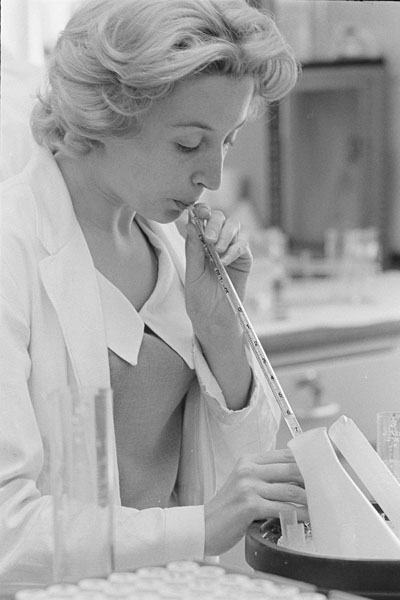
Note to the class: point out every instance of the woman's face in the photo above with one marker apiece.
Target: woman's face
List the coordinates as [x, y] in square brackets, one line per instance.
[180, 148]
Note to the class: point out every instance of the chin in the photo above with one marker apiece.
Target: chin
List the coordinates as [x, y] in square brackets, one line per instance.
[173, 215]
[170, 217]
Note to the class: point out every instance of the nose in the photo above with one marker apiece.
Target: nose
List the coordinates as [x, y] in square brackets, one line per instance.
[208, 173]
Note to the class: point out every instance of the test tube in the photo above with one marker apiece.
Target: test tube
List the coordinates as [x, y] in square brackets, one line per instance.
[296, 538]
[287, 517]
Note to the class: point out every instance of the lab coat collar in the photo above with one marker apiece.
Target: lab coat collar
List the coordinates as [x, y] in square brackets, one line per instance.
[56, 220]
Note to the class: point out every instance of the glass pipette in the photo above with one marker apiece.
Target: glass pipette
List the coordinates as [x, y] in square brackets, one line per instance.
[251, 337]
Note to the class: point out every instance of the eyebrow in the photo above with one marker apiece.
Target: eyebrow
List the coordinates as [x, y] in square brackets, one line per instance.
[201, 125]
[197, 124]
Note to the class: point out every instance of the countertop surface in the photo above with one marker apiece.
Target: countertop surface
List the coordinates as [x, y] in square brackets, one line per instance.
[320, 312]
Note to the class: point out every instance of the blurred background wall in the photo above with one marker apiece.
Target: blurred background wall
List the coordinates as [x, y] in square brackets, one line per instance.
[315, 30]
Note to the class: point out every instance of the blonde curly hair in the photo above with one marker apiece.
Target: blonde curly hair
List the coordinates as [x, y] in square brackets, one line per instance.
[115, 57]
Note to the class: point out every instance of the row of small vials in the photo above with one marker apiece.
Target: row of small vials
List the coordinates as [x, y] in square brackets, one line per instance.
[177, 580]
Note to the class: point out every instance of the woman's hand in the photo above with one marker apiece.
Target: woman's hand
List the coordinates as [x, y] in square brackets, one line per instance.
[259, 487]
[214, 322]
[205, 300]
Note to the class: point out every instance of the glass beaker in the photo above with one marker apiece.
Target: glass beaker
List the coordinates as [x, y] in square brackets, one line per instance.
[354, 256]
[82, 476]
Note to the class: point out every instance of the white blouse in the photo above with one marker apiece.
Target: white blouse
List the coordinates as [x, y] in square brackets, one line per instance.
[164, 311]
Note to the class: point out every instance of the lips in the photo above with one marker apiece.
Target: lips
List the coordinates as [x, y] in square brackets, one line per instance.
[183, 205]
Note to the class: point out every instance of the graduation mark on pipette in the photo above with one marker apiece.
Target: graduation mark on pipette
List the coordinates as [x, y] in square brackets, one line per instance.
[250, 335]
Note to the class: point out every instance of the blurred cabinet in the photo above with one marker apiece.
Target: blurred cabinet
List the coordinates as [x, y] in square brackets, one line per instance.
[327, 153]
[355, 379]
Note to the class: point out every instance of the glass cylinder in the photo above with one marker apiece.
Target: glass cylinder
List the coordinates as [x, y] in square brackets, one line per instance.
[82, 477]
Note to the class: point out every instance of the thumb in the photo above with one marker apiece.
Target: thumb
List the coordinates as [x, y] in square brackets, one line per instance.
[195, 256]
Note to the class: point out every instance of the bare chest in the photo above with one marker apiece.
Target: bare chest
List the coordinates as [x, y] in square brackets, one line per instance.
[130, 264]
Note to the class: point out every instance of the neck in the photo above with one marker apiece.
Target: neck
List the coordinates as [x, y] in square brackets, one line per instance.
[95, 207]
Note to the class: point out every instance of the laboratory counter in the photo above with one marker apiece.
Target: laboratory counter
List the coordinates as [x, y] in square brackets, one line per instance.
[335, 352]
[318, 313]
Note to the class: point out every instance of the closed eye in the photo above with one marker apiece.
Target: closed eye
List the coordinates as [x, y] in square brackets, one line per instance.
[228, 143]
[187, 149]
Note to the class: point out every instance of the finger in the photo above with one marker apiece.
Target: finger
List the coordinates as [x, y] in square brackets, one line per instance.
[195, 257]
[235, 251]
[212, 221]
[279, 472]
[284, 492]
[214, 231]
[202, 210]
[270, 509]
[228, 234]
[280, 455]
[221, 231]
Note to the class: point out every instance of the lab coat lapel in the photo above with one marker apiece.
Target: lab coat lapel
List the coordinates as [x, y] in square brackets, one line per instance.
[68, 273]
[70, 281]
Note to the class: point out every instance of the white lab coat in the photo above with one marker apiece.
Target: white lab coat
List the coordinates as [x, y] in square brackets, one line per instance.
[52, 334]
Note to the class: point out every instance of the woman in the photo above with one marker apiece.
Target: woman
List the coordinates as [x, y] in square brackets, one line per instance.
[99, 288]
